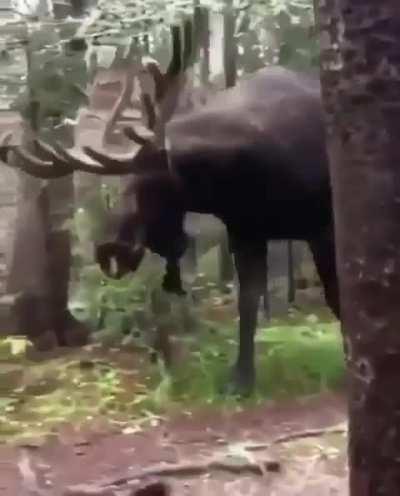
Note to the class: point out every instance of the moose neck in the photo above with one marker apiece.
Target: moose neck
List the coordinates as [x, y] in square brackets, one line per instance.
[190, 184]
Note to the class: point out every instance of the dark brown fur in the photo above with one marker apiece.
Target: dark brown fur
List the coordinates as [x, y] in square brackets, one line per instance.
[255, 157]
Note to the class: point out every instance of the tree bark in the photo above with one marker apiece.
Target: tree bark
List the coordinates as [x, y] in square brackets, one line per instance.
[202, 46]
[360, 46]
[27, 264]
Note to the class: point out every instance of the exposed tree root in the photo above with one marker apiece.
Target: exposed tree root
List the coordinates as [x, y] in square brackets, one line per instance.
[294, 436]
[196, 469]
[201, 468]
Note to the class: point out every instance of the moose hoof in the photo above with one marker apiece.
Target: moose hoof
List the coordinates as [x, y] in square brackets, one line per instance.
[173, 287]
[241, 383]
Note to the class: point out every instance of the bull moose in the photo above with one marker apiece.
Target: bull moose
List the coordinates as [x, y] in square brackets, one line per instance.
[254, 156]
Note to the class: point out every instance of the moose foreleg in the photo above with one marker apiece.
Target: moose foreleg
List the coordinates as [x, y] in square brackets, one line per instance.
[250, 262]
[172, 282]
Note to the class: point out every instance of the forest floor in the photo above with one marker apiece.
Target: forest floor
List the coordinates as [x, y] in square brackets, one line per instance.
[286, 448]
[104, 421]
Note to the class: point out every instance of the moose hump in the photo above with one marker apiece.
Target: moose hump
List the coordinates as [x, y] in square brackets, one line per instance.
[266, 107]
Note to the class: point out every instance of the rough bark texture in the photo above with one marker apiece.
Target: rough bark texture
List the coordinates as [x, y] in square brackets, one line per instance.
[27, 264]
[41, 261]
[360, 42]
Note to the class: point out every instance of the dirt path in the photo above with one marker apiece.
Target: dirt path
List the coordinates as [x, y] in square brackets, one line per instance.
[202, 454]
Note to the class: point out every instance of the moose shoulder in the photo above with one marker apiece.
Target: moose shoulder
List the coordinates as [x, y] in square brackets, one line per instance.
[255, 157]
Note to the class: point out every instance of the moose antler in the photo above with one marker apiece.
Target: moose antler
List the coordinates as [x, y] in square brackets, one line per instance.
[5, 146]
[167, 87]
[59, 162]
[124, 99]
[52, 166]
[30, 163]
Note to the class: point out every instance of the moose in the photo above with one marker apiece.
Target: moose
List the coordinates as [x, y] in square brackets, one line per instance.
[254, 156]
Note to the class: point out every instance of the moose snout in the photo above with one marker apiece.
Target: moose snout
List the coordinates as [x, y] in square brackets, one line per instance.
[116, 259]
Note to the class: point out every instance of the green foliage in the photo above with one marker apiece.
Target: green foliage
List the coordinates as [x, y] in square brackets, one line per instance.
[267, 30]
[292, 360]
[97, 296]
[278, 31]
[301, 359]
[54, 78]
[130, 306]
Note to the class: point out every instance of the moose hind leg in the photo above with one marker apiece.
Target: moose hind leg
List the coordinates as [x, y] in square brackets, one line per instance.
[323, 251]
[251, 266]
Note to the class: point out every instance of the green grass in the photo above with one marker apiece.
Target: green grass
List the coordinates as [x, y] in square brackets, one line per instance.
[292, 359]
[296, 356]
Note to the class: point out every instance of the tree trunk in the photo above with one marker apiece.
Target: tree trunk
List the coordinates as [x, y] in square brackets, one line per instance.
[205, 45]
[202, 46]
[227, 271]
[360, 63]
[27, 266]
[41, 261]
[291, 294]
[68, 330]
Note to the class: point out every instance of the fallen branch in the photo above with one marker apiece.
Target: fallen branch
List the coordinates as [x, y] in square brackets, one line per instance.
[196, 469]
[294, 436]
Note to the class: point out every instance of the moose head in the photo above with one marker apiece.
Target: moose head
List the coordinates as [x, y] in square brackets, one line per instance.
[150, 213]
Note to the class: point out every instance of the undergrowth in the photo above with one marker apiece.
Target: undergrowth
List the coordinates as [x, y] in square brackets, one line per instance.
[292, 360]
[121, 388]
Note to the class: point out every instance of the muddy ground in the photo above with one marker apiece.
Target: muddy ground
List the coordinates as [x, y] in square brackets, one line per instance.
[286, 448]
